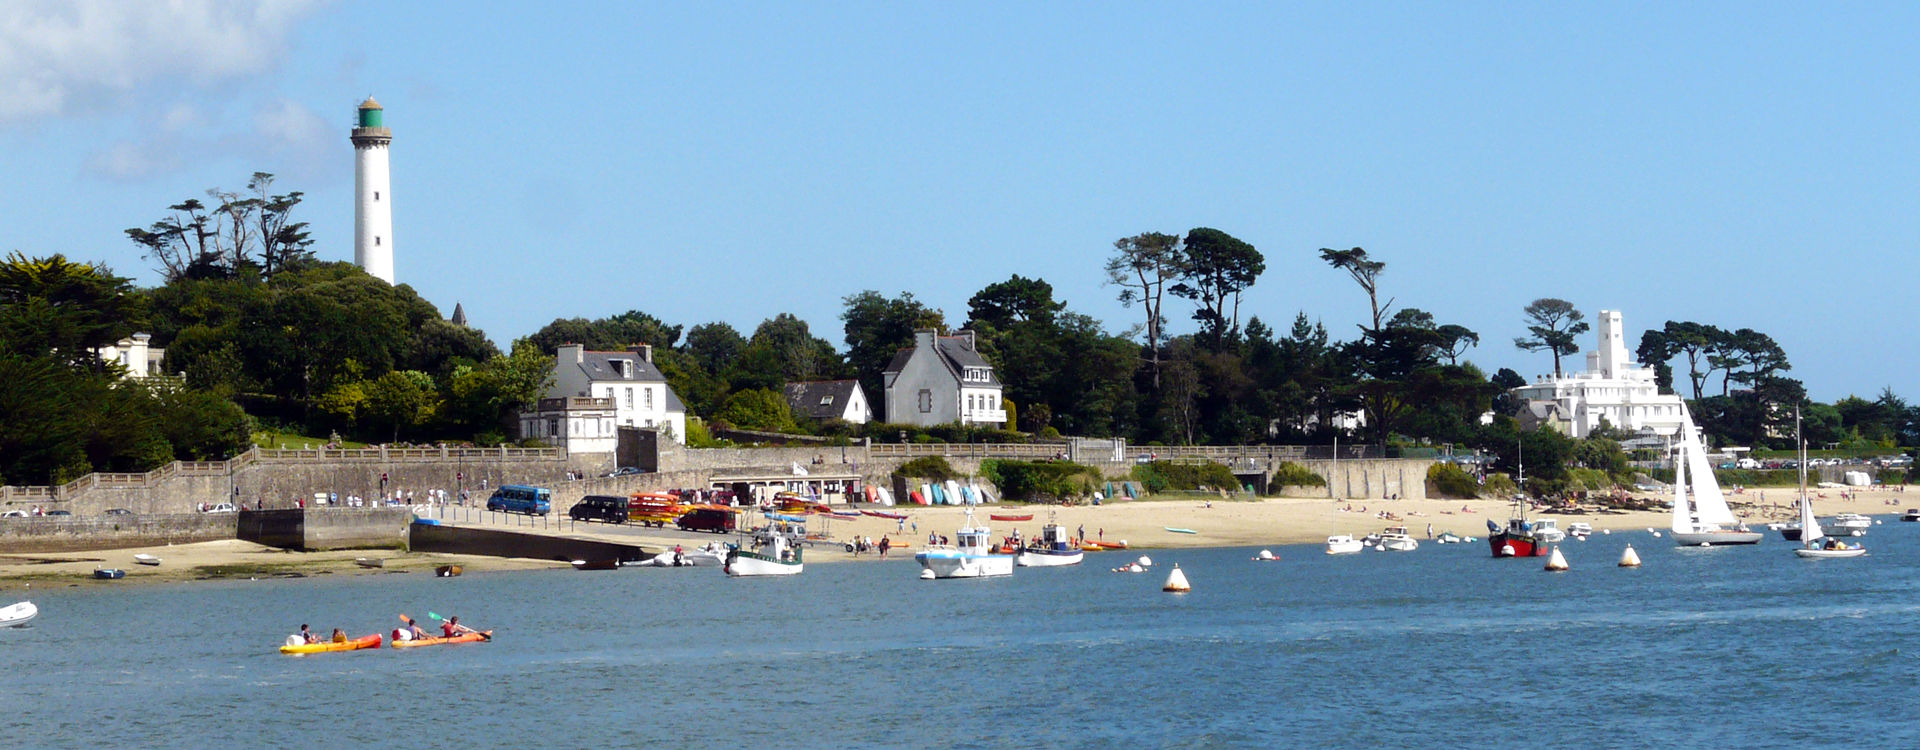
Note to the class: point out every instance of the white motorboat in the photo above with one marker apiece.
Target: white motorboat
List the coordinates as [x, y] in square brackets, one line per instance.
[1548, 530]
[1343, 544]
[1579, 529]
[146, 559]
[970, 556]
[1448, 537]
[1054, 548]
[774, 555]
[1704, 518]
[1846, 524]
[1396, 539]
[18, 614]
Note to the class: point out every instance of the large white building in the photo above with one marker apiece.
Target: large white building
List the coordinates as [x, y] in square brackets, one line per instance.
[1614, 389]
[942, 380]
[372, 193]
[635, 390]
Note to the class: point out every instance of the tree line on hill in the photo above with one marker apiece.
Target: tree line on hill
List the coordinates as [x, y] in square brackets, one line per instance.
[268, 337]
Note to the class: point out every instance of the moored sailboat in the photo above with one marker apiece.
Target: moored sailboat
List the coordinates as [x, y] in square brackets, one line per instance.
[1810, 532]
[1704, 518]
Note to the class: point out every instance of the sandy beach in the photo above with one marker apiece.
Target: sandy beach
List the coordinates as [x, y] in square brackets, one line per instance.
[1143, 524]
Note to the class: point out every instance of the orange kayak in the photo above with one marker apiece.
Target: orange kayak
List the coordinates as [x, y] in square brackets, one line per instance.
[369, 641]
[484, 635]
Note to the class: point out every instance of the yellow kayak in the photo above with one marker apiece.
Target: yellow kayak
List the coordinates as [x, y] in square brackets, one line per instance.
[368, 641]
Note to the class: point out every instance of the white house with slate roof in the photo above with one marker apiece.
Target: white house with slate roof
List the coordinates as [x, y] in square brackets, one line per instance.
[638, 393]
[830, 399]
[941, 380]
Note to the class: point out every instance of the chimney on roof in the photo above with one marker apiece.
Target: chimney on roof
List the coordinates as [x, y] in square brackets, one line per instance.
[965, 335]
[923, 338]
[644, 350]
[574, 353]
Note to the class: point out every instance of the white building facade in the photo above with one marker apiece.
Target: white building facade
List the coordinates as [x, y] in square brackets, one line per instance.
[637, 391]
[576, 423]
[825, 400]
[942, 380]
[1614, 389]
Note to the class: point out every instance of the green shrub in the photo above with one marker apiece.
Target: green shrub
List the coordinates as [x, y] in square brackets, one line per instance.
[926, 467]
[1291, 474]
[1499, 485]
[1040, 480]
[1162, 476]
[1449, 480]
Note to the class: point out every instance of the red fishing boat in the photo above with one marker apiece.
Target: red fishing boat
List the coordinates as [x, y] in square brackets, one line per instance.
[1010, 517]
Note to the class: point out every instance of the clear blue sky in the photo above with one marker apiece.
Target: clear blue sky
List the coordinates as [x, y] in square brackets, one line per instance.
[1740, 164]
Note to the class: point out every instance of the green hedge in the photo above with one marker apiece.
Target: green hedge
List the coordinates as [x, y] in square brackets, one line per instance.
[1291, 474]
[927, 467]
[1040, 480]
[1162, 476]
[1449, 480]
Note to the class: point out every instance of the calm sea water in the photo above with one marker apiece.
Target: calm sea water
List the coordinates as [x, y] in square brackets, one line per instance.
[1736, 647]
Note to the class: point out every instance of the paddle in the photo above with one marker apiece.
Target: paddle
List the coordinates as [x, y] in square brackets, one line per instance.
[483, 636]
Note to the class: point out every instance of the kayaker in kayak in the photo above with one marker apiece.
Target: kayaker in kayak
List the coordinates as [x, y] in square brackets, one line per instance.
[413, 630]
[307, 636]
[339, 636]
[451, 627]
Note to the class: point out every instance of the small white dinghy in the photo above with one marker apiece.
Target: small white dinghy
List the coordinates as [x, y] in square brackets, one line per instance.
[146, 559]
[18, 615]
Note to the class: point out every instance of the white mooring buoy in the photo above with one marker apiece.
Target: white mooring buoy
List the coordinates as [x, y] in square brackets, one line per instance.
[1177, 581]
[1506, 550]
[1557, 562]
[925, 574]
[1629, 558]
[1144, 561]
[1264, 556]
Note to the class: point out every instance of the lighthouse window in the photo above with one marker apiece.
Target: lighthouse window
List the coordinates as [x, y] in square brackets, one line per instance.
[376, 195]
[376, 241]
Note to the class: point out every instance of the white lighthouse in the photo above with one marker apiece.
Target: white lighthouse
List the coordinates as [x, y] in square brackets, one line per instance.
[372, 193]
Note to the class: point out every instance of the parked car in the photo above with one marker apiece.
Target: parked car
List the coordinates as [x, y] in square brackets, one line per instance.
[119, 512]
[59, 513]
[624, 471]
[223, 508]
[16, 513]
[515, 498]
[707, 519]
[599, 508]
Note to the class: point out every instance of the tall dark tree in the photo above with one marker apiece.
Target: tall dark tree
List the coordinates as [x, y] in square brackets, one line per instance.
[1365, 272]
[1142, 266]
[53, 305]
[1554, 324]
[1217, 268]
[877, 328]
[237, 234]
[1014, 301]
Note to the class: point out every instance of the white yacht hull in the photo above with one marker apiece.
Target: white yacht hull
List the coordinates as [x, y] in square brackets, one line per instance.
[1716, 538]
[745, 565]
[1343, 545]
[1820, 553]
[949, 564]
[1032, 559]
[1399, 544]
[17, 615]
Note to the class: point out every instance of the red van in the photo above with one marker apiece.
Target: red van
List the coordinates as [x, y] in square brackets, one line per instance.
[716, 520]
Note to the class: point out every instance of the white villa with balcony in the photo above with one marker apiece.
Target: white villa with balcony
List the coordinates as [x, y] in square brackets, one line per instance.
[942, 380]
[635, 394]
[1614, 389]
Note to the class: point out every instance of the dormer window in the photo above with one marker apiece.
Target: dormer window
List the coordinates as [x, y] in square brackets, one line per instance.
[826, 400]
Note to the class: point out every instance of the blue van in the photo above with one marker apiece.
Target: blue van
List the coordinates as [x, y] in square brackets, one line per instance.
[515, 498]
